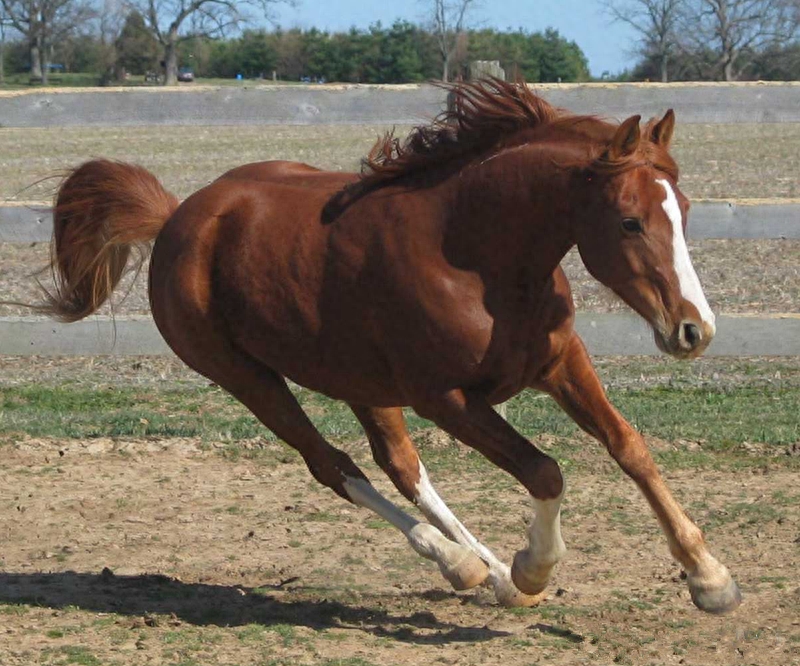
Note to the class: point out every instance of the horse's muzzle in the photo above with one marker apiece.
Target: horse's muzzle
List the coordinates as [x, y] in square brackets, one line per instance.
[689, 339]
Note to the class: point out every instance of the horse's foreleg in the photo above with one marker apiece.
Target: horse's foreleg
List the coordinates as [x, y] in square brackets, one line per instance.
[396, 454]
[472, 420]
[576, 387]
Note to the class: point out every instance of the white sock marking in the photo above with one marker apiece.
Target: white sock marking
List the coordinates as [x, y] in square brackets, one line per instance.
[425, 539]
[544, 534]
[688, 281]
[435, 510]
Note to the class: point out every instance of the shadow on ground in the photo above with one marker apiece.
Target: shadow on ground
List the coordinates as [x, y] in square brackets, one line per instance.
[223, 605]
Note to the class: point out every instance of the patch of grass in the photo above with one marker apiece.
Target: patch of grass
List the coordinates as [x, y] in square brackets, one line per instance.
[747, 160]
[13, 609]
[250, 632]
[744, 513]
[721, 419]
[56, 80]
[324, 517]
[74, 654]
[287, 632]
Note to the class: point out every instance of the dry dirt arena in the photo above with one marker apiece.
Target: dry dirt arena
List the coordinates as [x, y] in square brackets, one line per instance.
[166, 552]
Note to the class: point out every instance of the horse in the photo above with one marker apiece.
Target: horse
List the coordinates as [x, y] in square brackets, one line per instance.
[430, 280]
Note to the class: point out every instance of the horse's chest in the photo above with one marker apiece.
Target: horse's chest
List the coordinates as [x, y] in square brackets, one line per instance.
[528, 335]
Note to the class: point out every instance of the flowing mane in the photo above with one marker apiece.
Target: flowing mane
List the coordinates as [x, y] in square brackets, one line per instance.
[479, 116]
[492, 113]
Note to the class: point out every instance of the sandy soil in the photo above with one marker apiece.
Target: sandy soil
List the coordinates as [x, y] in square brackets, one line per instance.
[163, 552]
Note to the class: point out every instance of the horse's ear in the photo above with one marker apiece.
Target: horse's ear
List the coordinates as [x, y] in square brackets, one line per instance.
[661, 134]
[626, 139]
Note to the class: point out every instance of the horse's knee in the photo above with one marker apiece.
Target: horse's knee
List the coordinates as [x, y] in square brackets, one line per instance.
[631, 454]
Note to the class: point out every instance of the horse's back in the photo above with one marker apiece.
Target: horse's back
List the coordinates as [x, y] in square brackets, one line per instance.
[295, 174]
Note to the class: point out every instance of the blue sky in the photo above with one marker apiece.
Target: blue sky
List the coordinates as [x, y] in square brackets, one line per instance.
[607, 45]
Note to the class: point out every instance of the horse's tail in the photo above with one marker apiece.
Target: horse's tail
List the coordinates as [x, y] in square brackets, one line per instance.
[103, 211]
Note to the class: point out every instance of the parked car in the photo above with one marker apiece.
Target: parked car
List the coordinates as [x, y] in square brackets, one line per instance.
[185, 74]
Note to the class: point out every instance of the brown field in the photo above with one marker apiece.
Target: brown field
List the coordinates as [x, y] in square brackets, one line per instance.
[717, 161]
[189, 551]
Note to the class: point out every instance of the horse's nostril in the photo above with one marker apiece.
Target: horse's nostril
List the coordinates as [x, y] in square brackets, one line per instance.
[692, 334]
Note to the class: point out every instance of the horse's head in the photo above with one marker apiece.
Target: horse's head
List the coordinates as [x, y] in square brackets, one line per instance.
[631, 237]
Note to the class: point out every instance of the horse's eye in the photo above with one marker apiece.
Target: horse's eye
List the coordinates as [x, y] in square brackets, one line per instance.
[632, 225]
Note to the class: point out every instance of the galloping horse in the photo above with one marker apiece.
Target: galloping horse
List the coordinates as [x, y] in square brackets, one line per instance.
[431, 280]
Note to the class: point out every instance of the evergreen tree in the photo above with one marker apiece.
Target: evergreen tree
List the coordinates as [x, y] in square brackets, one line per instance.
[137, 49]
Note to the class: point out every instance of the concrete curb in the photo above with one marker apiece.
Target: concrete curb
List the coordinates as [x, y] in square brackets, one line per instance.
[347, 104]
[604, 334]
[718, 219]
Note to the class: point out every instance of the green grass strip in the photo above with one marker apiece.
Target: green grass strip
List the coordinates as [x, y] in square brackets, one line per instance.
[717, 417]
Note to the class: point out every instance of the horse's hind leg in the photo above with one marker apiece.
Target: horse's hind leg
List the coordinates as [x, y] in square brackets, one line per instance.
[265, 393]
[396, 454]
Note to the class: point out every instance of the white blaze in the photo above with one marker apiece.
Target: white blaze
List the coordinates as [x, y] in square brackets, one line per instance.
[688, 281]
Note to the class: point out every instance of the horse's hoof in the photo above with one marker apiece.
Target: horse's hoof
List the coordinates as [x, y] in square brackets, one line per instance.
[525, 584]
[717, 600]
[510, 596]
[470, 572]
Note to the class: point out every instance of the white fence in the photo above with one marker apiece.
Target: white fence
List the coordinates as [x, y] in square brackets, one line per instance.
[394, 104]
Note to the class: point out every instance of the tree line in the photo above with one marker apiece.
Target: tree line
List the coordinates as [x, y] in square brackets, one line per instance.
[725, 40]
[400, 53]
[678, 40]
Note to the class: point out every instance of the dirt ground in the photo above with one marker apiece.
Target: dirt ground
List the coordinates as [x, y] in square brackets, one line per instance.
[166, 552]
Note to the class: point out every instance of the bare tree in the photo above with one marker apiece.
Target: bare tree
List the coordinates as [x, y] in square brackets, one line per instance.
[656, 21]
[43, 23]
[209, 18]
[733, 28]
[449, 20]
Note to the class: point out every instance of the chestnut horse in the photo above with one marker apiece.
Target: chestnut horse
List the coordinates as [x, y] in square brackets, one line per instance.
[432, 281]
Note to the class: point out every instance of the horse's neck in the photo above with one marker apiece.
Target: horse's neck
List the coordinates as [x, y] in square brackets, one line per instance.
[508, 213]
